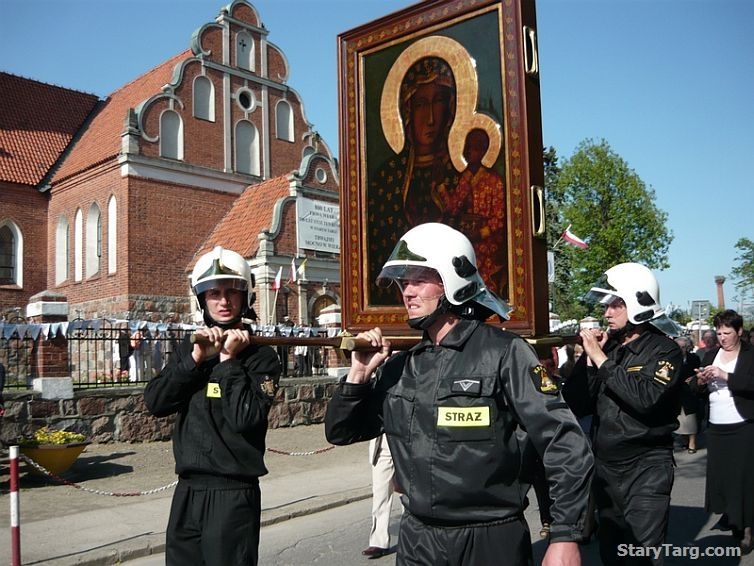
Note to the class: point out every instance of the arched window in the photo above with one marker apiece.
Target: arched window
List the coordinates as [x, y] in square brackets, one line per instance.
[93, 240]
[112, 235]
[244, 51]
[62, 232]
[284, 121]
[11, 254]
[247, 148]
[171, 135]
[78, 242]
[204, 98]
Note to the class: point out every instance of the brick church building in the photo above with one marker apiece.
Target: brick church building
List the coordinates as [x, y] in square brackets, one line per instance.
[108, 203]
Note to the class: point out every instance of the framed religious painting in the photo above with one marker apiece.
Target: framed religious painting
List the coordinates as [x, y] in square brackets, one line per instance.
[440, 122]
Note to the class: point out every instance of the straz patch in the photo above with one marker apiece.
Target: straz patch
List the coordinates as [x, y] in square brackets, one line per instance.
[213, 390]
[663, 372]
[463, 416]
[542, 381]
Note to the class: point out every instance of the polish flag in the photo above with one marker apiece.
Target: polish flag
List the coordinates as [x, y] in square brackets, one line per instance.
[278, 279]
[292, 278]
[573, 239]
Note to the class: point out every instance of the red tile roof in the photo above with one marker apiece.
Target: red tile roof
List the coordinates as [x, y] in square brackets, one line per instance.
[249, 215]
[37, 122]
[101, 140]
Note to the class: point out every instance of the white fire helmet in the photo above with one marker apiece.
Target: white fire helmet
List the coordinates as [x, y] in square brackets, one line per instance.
[222, 265]
[637, 286]
[448, 252]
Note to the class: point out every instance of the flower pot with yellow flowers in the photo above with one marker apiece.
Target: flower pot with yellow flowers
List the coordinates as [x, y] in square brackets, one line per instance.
[54, 450]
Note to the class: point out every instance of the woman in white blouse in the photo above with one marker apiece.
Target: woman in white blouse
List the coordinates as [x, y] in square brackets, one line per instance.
[727, 374]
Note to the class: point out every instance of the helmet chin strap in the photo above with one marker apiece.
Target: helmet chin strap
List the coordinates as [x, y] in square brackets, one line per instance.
[209, 321]
[620, 333]
[425, 322]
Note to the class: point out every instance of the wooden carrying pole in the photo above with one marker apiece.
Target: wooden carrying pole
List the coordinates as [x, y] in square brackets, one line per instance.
[347, 343]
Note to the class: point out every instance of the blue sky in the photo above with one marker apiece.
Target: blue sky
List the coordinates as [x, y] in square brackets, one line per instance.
[668, 83]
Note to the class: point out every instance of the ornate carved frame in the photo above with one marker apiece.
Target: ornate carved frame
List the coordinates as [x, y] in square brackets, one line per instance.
[423, 25]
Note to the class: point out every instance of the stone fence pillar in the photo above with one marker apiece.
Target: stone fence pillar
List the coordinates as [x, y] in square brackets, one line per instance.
[50, 362]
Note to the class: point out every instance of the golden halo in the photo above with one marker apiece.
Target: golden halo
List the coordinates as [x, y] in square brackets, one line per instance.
[466, 119]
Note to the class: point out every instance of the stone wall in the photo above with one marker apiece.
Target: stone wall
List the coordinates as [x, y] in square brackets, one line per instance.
[120, 415]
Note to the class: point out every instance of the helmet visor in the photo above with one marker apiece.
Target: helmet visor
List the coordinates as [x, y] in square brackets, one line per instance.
[400, 273]
[601, 293]
[667, 325]
[224, 282]
[401, 252]
[491, 301]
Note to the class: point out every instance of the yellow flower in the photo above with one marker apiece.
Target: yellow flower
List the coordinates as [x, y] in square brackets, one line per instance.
[47, 435]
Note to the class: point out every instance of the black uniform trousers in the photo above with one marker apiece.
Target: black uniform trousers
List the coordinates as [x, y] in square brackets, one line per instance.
[633, 500]
[214, 522]
[499, 543]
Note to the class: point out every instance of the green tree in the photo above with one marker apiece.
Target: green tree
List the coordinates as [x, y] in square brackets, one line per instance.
[554, 222]
[607, 204]
[744, 271]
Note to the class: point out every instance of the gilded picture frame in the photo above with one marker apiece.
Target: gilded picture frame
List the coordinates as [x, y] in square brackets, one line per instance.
[440, 123]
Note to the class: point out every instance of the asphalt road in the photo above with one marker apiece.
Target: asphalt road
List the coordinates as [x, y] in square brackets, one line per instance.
[337, 536]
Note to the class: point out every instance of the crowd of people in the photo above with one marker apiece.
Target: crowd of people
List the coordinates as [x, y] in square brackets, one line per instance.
[464, 422]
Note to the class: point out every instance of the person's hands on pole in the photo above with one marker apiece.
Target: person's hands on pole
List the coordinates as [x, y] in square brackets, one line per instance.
[205, 349]
[593, 340]
[363, 364]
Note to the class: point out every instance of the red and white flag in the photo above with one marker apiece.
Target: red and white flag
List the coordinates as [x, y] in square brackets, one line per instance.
[292, 277]
[573, 239]
[278, 279]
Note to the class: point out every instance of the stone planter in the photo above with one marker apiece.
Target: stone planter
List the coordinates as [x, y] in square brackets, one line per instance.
[55, 458]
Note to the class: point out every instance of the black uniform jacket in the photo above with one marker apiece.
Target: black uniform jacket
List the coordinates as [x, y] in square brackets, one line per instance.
[741, 381]
[454, 417]
[689, 399]
[634, 395]
[221, 411]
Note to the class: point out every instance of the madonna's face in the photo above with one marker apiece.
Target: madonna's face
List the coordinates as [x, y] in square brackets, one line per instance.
[429, 115]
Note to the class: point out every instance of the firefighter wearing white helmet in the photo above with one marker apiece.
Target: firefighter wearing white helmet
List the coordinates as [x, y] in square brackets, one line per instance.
[637, 286]
[230, 268]
[450, 408]
[446, 251]
[220, 389]
[630, 380]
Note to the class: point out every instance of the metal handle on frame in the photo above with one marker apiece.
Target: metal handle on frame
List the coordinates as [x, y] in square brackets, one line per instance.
[538, 211]
[531, 51]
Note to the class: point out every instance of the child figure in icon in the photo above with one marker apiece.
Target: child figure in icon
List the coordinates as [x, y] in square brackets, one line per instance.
[476, 207]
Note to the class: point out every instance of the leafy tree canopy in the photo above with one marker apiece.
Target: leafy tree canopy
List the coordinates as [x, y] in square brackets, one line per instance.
[607, 204]
[743, 272]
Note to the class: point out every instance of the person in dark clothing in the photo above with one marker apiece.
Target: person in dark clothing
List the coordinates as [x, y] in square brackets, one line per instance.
[221, 388]
[690, 400]
[457, 410]
[630, 375]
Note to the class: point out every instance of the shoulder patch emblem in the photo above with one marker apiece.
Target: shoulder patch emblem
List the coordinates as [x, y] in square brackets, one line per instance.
[542, 381]
[662, 374]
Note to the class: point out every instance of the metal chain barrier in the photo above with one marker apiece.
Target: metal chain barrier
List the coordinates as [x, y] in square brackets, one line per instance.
[318, 451]
[64, 481]
[94, 491]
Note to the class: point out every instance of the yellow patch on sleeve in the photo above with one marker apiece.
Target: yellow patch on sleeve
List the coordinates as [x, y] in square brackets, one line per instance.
[663, 372]
[213, 390]
[463, 416]
[542, 381]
